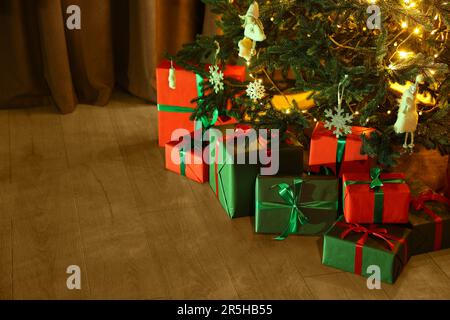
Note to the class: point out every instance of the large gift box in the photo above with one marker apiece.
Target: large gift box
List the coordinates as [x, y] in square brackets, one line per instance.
[429, 218]
[174, 105]
[185, 157]
[341, 154]
[359, 248]
[233, 181]
[305, 205]
[375, 197]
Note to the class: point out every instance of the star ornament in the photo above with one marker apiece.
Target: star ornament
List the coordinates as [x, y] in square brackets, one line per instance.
[338, 121]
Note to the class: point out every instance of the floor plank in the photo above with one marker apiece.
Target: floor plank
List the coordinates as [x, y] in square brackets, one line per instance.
[6, 262]
[90, 189]
[4, 147]
[424, 282]
[44, 224]
[342, 286]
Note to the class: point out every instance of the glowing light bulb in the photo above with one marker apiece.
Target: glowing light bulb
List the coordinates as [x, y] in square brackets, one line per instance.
[356, 112]
[420, 113]
[404, 24]
[404, 54]
[417, 30]
[389, 112]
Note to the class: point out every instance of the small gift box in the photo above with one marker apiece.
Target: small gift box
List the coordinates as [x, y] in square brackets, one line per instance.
[362, 249]
[185, 157]
[430, 220]
[174, 102]
[375, 197]
[233, 180]
[339, 155]
[295, 205]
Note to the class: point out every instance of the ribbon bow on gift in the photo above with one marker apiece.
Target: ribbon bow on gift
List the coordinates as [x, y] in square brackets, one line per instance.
[419, 204]
[292, 199]
[206, 123]
[290, 196]
[375, 231]
[376, 184]
[375, 176]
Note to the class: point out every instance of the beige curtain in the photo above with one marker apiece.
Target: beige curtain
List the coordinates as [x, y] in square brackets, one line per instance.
[120, 42]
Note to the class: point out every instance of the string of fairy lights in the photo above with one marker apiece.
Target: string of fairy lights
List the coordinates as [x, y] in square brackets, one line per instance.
[409, 27]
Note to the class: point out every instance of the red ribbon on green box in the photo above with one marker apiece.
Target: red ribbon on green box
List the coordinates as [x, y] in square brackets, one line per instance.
[372, 230]
[419, 203]
[376, 184]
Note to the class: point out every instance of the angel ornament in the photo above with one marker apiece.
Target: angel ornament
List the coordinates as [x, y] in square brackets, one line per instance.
[408, 117]
[172, 77]
[253, 32]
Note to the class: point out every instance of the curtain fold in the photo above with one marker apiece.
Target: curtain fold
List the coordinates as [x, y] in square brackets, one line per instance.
[120, 42]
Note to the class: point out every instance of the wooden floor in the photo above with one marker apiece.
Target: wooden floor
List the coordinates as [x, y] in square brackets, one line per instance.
[90, 189]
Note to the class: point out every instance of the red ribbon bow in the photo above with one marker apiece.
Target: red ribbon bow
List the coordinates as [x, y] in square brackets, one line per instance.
[375, 231]
[419, 203]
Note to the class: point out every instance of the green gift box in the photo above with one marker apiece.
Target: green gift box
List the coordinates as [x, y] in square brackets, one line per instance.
[306, 205]
[429, 219]
[361, 249]
[233, 182]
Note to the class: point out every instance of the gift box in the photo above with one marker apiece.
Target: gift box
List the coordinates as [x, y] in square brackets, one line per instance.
[302, 205]
[338, 154]
[376, 197]
[174, 105]
[232, 181]
[429, 219]
[185, 157]
[357, 248]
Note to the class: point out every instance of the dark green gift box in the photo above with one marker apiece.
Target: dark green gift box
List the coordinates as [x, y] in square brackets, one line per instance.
[354, 248]
[296, 205]
[429, 218]
[234, 184]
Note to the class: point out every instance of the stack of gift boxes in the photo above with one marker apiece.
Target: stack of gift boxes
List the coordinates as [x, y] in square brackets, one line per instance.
[366, 217]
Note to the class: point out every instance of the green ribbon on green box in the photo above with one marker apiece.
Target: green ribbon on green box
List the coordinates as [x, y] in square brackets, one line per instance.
[292, 196]
[376, 185]
[182, 161]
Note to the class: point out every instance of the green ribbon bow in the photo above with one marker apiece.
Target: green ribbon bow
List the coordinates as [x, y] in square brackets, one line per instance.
[292, 196]
[376, 185]
[206, 123]
[376, 181]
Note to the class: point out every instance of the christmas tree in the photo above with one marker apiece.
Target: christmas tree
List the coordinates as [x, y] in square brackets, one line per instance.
[302, 55]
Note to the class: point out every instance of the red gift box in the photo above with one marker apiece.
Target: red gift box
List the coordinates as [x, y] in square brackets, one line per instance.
[174, 105]
[376, 198]
[186, 158]
[324, 150]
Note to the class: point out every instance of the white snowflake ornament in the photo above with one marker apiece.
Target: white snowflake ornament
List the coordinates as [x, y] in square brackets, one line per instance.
[256, 90]
[340, 121]
[216, 78]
